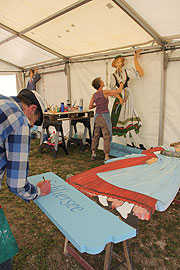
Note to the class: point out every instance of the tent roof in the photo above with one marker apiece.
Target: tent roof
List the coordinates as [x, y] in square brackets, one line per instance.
[35, 32]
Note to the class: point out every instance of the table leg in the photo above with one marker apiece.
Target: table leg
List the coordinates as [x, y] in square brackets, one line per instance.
[42, 135]
[70, 131]
[63, 140]
[56, 140]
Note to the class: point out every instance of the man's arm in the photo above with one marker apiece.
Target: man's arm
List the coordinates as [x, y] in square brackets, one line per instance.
[17, 152]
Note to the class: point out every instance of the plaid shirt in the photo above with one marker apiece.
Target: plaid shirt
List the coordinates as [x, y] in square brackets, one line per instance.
[14, 148]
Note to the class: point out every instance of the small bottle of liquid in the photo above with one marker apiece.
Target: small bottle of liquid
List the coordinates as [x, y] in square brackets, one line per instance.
[68, 105]
[81, 104]
[62, 106]
[52, 137]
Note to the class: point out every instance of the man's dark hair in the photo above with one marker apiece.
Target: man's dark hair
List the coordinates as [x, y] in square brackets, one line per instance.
[96, 83]
[24, 99]
[27, 97]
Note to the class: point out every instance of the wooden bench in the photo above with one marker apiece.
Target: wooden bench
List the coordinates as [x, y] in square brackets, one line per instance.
[85, 224]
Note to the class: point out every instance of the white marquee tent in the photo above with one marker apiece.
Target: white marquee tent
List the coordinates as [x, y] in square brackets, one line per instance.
[72, 42]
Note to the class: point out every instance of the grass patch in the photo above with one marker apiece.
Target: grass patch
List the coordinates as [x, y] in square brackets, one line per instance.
[41, 243]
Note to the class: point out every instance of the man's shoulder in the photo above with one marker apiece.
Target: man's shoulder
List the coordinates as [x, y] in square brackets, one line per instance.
[9, 102]
[11, 112]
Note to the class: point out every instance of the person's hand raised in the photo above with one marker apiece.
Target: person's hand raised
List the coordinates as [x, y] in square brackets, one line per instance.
[137, 53]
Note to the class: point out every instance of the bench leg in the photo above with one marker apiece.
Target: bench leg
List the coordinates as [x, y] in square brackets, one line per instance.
[70, 250]
[127, 255]
[110, 253]
[65, 246]
[108, 256]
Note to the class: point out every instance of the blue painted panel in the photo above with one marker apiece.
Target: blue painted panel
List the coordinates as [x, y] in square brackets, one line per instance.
[120, 150]
[86, 225]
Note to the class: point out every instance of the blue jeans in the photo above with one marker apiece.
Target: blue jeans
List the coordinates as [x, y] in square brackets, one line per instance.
[7, 265]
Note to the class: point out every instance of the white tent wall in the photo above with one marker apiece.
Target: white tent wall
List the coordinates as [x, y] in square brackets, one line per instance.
[82, 75]
[53, 87]
[146, 91]
[172, 100]
[6, 68]
[65, 31]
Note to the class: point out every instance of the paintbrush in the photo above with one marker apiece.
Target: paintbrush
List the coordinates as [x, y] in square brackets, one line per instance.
[74, 103]
[44, 179]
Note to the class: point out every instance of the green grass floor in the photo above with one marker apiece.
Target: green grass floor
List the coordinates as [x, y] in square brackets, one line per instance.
[157, 245]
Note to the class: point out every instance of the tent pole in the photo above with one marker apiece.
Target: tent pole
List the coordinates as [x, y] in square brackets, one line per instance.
[107, 84]
[68, 74]
[164, 62]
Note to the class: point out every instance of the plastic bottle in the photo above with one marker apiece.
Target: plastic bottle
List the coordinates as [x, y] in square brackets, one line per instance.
[81, 104]
[53, 137]
[62, 106]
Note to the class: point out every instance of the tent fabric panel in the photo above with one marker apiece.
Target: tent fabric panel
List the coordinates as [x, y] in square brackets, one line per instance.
[172, 101]
[6, 67]
[22, 53]
[56, 88]
[98, 25]
[55, 91]
[163, 16]
[4, 34]
[18, 14]
[146, 91]
[94, 27]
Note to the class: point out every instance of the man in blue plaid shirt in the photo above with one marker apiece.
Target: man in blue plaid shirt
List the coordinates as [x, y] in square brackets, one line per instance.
[17, 116]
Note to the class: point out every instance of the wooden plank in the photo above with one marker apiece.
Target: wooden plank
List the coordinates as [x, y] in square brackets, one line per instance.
[68, 115]
[87, 226]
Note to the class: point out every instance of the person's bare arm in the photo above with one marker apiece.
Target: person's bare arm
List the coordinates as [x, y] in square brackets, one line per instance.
[114, 93]
[137, 65]
[91, 104]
